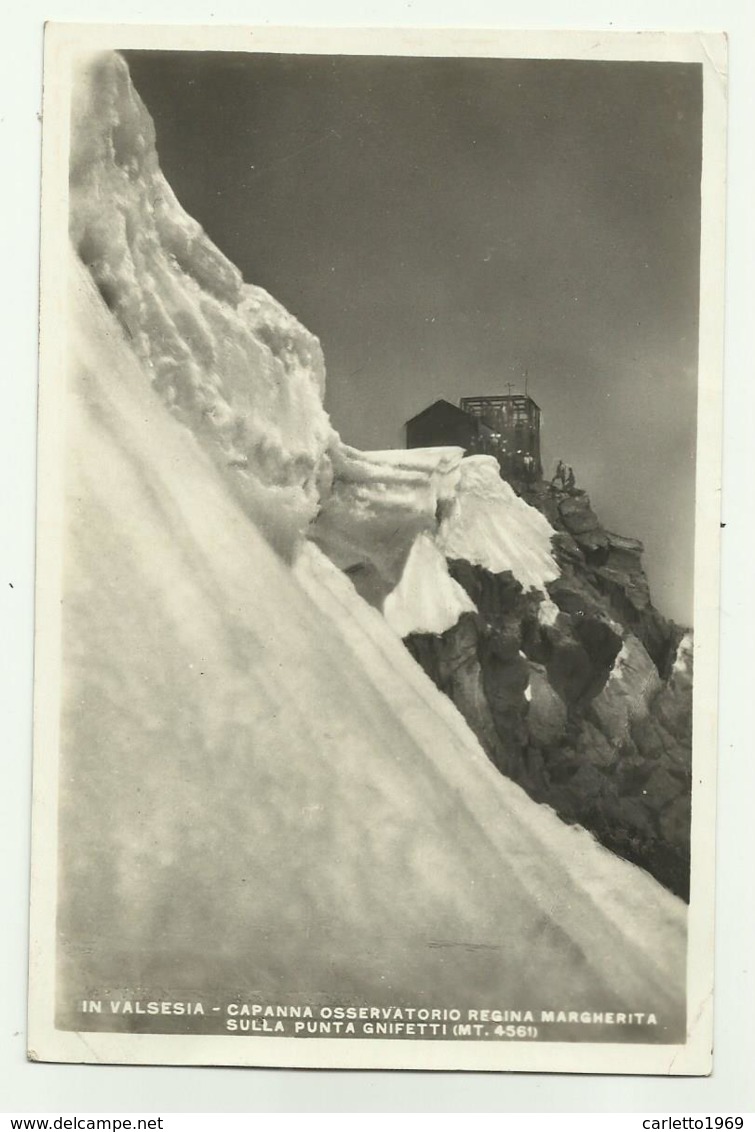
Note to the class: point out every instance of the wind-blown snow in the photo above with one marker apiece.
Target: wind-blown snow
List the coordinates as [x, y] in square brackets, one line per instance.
[492, 527]
[225, 357]
[379, 502]
[427, 599]
[385, 509]
[260, 788]
[262, 781]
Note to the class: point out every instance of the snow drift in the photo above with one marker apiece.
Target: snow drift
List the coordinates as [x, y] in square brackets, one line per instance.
[493, 528]
[392, 520]
[261, 789]
[378, 505]
[196, 328]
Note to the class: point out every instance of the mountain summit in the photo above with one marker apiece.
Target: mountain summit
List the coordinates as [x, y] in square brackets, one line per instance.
[305, 685]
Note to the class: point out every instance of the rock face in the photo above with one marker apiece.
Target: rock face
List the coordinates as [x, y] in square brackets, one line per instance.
[598, 563]
[586, 700]
[259, 790]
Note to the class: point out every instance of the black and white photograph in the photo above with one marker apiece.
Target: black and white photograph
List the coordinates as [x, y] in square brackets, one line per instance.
[377, 615]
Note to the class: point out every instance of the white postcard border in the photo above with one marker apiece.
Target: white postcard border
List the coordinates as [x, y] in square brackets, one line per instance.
[63, 42]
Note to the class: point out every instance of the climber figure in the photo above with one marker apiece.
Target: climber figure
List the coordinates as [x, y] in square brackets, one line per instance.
[569, 481]
[560, 474]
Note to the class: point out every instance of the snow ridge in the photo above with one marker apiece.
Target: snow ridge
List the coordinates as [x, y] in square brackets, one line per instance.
[227, 359]
[427, 599]
[266, 783]
[493, 528]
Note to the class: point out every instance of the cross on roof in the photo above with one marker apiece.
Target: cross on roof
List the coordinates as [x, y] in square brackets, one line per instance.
[509, 386]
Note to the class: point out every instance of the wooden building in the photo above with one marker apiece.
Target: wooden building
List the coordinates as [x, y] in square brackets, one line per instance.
[507, 427]
[445, 424]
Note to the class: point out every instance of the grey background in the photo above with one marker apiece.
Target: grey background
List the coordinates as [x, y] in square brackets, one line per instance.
[444, 225]
[25, 1087]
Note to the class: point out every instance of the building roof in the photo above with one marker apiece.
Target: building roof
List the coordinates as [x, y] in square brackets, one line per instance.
[446, 405]
[498, 398]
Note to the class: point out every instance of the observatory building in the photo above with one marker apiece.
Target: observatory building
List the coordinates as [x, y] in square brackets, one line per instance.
[506, 426]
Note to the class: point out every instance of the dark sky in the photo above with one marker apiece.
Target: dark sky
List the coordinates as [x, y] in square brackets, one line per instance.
[444, 225]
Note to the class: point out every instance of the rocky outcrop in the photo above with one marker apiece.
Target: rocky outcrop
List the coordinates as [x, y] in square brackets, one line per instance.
[584, 700]
[576, 695]
[603, 568]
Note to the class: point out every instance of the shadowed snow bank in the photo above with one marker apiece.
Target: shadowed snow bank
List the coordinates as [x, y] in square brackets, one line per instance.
[260, 788]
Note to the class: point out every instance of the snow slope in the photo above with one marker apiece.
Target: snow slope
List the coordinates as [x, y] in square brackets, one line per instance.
[386, 510]
[492, 527]
[377, 505]
[197, 329]
[261, 788]
[426, 599]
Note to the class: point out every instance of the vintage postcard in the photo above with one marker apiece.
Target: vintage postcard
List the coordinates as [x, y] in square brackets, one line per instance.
[380, 394]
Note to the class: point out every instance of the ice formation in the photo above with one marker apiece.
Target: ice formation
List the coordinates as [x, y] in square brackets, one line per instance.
[426, 599]
[260, 787]
[386, 509]
[492, 527]
[196, 328]
[378, 504]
